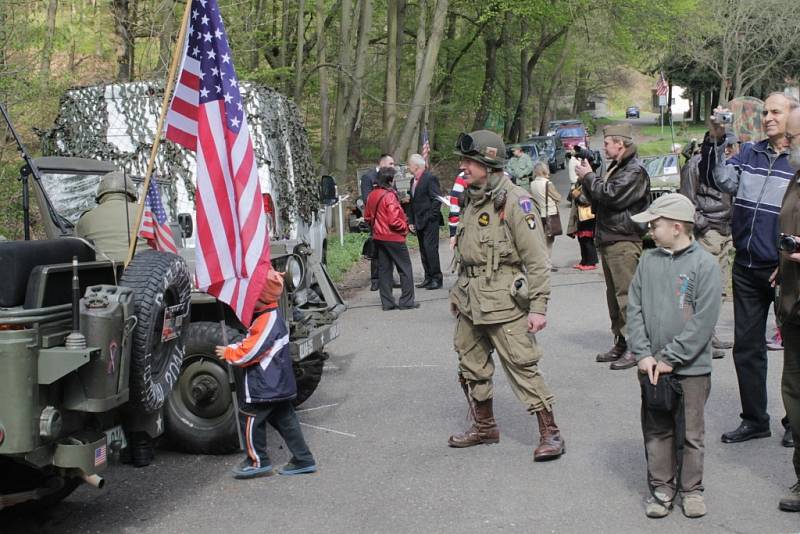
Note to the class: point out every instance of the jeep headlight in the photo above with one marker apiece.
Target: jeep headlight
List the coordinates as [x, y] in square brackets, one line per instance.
[294, 273]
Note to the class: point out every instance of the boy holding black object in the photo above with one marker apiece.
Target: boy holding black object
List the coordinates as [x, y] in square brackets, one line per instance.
[672, 309]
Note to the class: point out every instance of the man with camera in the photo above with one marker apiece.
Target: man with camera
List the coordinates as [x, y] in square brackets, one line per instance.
[712, 218]
[788, 309]
[757, 177]
[623, 190]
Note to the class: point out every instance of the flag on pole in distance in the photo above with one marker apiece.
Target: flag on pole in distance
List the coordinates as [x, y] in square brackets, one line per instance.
[426, 147]
[662, 87]
[154, 222]
[206, 115]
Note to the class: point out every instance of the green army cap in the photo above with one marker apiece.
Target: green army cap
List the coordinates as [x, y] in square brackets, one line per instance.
[622, 129]
[671, 206]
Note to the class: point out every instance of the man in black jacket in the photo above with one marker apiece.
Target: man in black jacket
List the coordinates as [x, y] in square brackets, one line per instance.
[424, 219]
[624, 190]
[368, 181]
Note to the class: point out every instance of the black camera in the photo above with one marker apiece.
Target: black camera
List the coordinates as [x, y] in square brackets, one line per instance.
[592, 156]
[788, 243]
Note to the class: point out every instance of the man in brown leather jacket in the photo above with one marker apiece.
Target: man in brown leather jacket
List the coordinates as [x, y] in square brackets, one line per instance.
[789, 304]
[624, 190]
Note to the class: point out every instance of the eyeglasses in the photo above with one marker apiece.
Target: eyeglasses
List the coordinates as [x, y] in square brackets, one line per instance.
[466, 144]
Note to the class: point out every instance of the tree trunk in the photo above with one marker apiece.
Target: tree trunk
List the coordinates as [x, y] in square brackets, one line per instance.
[423, 87]
[324, 104]
[165, 42]
[419, 58]
[545, 41]
[259, 6]
[696, 106]
[50, 30]
[390, 90]
[555, 80]
[283, 49]
[298, 59]
[123, 24]
[490, 45]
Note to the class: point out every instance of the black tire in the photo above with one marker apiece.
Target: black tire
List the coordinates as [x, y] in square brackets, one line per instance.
[308, 374]
[159, 280]
[199, 414]
[553, 168]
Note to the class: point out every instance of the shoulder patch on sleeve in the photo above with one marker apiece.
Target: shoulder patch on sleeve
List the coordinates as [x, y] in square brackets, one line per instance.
[530, 220]
[526, 204]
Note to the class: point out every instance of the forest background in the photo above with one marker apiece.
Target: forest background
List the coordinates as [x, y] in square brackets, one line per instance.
[368, 76]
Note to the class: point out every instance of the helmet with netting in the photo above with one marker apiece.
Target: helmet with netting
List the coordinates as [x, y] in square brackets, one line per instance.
[115, 182]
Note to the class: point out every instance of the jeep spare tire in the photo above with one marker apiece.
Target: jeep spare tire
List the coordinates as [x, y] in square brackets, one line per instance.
[161, 285]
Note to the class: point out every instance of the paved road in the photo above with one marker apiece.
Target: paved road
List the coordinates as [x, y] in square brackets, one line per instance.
[379, 424]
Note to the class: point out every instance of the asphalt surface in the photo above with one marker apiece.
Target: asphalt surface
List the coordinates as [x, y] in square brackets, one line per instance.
[378, 426]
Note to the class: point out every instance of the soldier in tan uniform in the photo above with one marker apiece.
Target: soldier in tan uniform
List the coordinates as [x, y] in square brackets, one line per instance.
[107, 225]
[500, 298]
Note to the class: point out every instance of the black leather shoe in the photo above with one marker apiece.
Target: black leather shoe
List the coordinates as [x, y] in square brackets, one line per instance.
[434, 285]
[373, 286]
[626, 361]
[788, 439]
[745, 432]
[412, 307]
[390, 307]
[395, 285]
[612, 355]
[717, 354]
[424, 283]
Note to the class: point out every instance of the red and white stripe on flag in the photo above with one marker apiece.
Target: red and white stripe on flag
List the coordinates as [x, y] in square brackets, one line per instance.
[206, 115]
[155, 228]
[662, 87]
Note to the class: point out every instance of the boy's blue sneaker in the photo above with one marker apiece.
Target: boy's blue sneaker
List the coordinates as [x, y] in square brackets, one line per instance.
[292, 469]
[246, 469]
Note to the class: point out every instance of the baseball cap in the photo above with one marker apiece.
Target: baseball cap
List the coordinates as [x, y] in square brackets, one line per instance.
[671, 206]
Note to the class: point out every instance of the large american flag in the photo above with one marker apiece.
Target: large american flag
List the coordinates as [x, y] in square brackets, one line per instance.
[662, 87]
[426, 147]
[154, 222]
[206, 115]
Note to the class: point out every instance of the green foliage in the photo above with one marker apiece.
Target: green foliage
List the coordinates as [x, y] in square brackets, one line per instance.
[342, 258]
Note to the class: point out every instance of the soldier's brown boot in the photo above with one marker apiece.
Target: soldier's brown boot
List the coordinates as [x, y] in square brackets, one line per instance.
[619, 348]
[483, 429]
[551, 444]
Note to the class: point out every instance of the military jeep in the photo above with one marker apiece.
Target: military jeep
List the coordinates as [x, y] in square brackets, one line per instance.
[143, 370]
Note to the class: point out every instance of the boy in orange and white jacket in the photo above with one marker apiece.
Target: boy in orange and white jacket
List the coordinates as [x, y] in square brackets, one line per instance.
[268, 388]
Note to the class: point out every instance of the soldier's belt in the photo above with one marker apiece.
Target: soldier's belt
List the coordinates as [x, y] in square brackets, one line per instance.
[474, 271]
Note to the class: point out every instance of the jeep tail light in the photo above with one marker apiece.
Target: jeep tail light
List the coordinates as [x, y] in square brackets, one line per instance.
[269, 210]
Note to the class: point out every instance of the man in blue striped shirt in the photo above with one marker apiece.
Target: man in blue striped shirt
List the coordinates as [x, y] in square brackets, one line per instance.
[758, 177]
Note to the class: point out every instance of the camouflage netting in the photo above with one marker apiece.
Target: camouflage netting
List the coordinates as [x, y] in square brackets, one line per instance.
[115, 122]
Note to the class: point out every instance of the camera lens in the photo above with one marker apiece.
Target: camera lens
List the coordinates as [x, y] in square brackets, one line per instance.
[787, 243]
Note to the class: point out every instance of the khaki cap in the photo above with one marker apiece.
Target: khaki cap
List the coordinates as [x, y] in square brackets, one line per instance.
[622, 129]
[671, 206]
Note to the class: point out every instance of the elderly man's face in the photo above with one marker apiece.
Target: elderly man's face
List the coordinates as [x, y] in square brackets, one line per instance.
[612, 148]
[793, 136]
[774, 116]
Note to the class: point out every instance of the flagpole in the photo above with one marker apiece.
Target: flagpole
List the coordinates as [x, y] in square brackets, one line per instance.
[168, 87]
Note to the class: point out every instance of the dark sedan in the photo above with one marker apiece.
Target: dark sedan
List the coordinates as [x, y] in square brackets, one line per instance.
[632, 113]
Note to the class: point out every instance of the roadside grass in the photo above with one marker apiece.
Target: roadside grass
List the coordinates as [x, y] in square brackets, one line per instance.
[662, 144]
[342, 258]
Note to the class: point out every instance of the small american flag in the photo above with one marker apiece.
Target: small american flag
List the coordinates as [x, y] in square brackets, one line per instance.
[662, 87]
[426, 147]
[100, 455]
[206, 115]
[154, 222]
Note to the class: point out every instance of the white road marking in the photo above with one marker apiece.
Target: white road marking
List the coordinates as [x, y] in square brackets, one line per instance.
[316, 408]
[329, 430]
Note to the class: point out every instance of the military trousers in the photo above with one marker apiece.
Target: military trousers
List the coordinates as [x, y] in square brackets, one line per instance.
[719, 246]
[519, 356]
[620, 260]
[790, 385]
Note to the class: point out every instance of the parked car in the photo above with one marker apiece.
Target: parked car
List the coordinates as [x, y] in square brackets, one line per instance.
[573, 134]
[552, 126]
[632, 112]
[552, 148]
